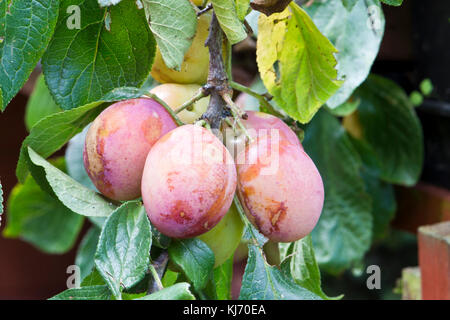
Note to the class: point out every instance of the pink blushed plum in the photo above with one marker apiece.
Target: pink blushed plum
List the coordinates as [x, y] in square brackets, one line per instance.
[188, 183]
[280, 188]
[263, 121]
[117, 144]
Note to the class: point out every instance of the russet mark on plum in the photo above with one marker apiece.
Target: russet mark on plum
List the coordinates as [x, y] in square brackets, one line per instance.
[95, 162]
[152, 128]
[182, 210]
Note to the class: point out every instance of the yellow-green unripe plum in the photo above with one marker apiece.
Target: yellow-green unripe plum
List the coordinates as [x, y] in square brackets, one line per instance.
[352, 124]
[188, 183]
[241, 252]
[194, 68]
[272, 252]
[175, 95]
[225, 237]
[270, 248]
[280, 188]
[117, 144]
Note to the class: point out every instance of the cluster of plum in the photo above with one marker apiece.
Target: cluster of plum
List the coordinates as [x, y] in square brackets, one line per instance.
[187, 177]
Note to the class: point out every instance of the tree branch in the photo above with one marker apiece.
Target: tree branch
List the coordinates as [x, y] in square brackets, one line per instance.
[204, 10]
[217, 77]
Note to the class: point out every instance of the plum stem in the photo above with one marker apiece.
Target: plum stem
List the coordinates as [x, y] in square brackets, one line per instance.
[234, 108]
[157, 270]
[237, 113]
[166, 106]
[205, 9]
[156, 277]
[201, 93]
[262, 98]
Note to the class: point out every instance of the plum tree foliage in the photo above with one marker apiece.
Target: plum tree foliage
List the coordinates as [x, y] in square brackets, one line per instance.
[185, 181]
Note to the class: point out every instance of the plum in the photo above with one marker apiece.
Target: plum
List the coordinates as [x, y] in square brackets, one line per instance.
[271, 250]
[279, 187]
[194, 68]
[175, 95]
[117, 144]
[188, 182]
[264, 121]
[225, 237]
[257, 124]
[353, 125]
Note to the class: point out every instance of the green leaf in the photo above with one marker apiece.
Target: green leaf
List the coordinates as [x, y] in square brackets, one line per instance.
[72, 194]
[384, 203]
[262, 281]
[86, 252]
[300, 263]
[382, 193]
[93, 279]
[25, 31]
[133, 296]
[242, 7]
[392, 129]
[349, 4]
[296, 62]
[369, 159]
[74, 160]
[174, 24]
[344, 231]
[85, 293]
[38, 218]
[416, 98]
[393, 2]
[82, 65]
[54, 131]
[356, 40]
[229, 20]
[169, 278]
[426, 87]
[123, 252]
[223, 275]
[107, 3]
[160, 240]
[40, 104]
[345, 109]
[179, 291]
[195, 258]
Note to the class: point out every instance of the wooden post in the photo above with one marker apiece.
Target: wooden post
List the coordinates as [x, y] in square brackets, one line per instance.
[421, 205]
[434, 261]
